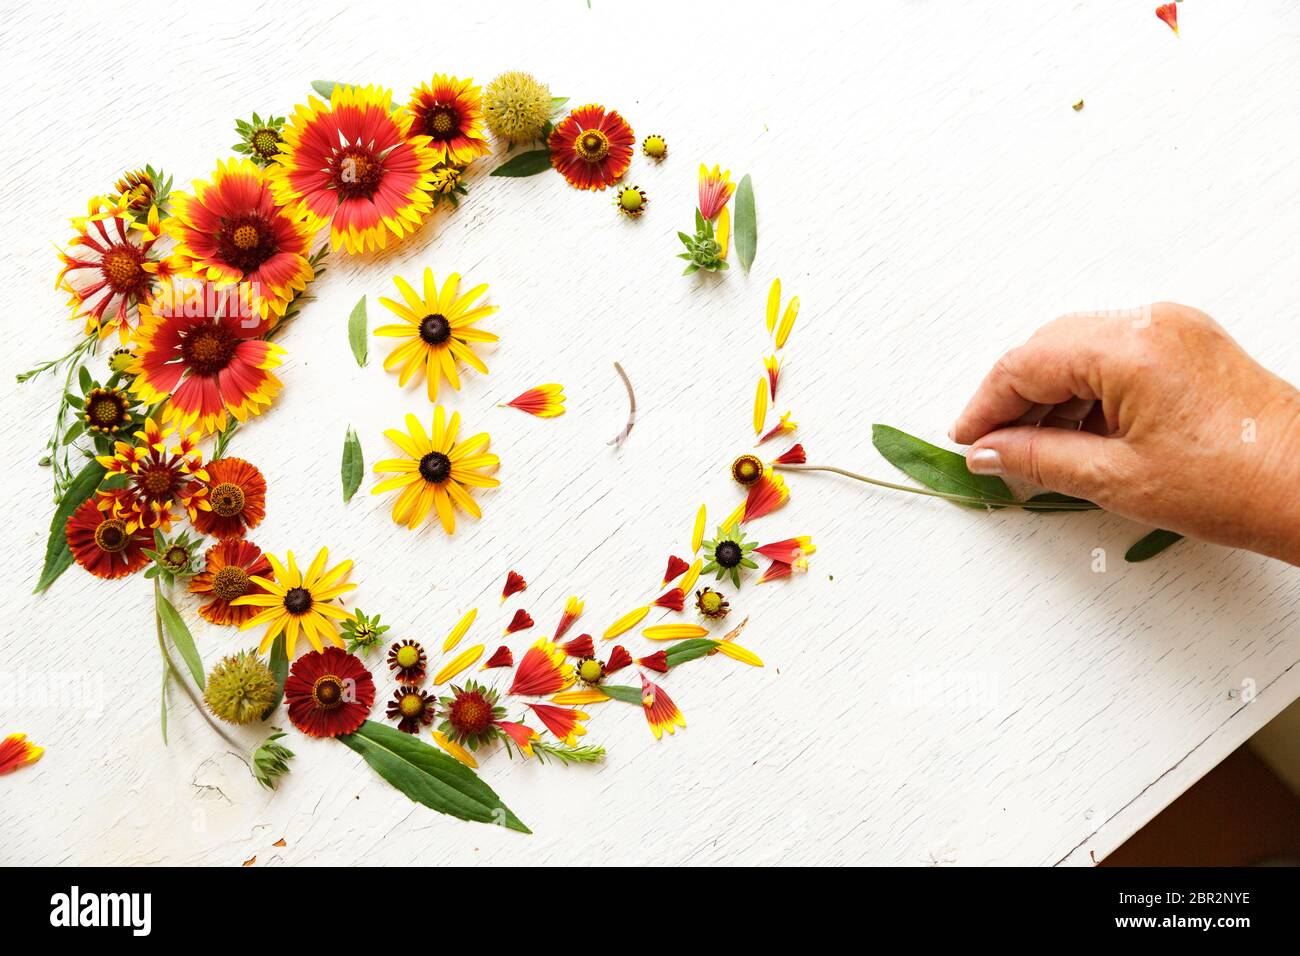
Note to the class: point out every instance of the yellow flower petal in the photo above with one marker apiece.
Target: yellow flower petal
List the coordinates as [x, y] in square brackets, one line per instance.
[692, 575]
[787, 322]
[738, 653]
[697, 535]
[460, 629]
[733, 519]
[458, 663]
[723, 232]
[455, 749]
[760, 405]
[576, 698]
[625, 623]
[773, 304]
[674, 632]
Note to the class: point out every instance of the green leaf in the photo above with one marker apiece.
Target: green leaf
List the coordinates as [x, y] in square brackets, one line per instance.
[684, 651]
[557, 104]
[74, 432]
[324, 87]
[181, 637]
[746, 223]
[935, 467]
[84, 379]
[280, 671]
[1055, 497]
[525, 164]
[166, 673]
[57, 555]
[357, 332]
[1151, 545]
[271, 760]
[353, 465]
[428, 776]
[628, 695]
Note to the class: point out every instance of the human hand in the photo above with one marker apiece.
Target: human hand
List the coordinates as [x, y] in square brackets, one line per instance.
[1160, 417]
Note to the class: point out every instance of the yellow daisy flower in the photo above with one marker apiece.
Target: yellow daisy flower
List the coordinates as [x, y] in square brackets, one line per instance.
[437, 472]
[439, 330]
[299, 602]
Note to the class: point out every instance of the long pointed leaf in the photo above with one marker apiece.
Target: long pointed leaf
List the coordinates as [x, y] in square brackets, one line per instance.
[354, 465]
[429, 776]
[279, 670]
[1150, 545]
[525, 164]
[357, 332]
[57, 555]
[746, 230]
[935, 467]
[181, 637]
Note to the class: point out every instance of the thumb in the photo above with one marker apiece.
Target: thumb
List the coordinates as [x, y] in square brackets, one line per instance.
[1072, 462]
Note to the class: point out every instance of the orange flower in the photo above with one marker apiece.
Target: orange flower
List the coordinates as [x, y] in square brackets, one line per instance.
[236, 499]
[542, 671]
[592, 148]
[230, 567]
[158, 478]
[17, 751]
[660, 711]
[563, 722]
[449, 111]
[103, 542]
[544, 401]
[765, 496]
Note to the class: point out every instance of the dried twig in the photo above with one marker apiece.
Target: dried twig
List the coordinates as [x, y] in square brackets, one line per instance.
[631, 414]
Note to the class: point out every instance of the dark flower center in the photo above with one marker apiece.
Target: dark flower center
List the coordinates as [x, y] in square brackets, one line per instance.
[266, 143]
[441, 123]
[727, 554]
[230, 582]
[357, 173]
[411, 705]
[435, 329]
[297, 601]
[156, 482]
[208, 349]
[592, 146]
[470, 714]
[435, 467]
[747, 469]
[122, 266]
[246, 242]
[106, 410]
[327, 692]
[111, 536]
[176, 558]
[227, 499]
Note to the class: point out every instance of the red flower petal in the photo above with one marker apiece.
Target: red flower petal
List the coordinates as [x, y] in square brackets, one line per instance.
[676, 568]
[795, 456]
[581, 646]
[658, 661]
[514, 584]
[618, 659]
[1168, 12]
[521, 621]
[673, 599]
[502, 658]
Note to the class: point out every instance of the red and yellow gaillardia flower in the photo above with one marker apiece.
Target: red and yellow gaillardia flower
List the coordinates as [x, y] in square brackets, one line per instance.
[592, 148]
[471, 716]
[230, 567]
[104, 544]
[236, 499]
[17, 751]
[198, 348]
[111, 267]
[158, 478]
[231, 231]
[438, 471]
[439, 329]
[328, 692]
[449, 111]
[296, 601]
[357, 165]
[716, 188]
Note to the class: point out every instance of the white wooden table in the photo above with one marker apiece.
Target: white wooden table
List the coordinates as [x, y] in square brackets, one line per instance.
[943, 687]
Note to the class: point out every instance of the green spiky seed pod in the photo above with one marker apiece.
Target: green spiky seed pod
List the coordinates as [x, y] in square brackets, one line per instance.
[241, 688]
[516, 107]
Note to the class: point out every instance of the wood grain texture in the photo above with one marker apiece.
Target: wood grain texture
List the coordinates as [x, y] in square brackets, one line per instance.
[944, 686]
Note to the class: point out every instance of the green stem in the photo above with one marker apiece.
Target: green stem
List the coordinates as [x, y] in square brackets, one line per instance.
[960, 499]
[180, 678]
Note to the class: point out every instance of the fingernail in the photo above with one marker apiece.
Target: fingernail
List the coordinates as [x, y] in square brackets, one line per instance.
[984, 461]
[952, 433]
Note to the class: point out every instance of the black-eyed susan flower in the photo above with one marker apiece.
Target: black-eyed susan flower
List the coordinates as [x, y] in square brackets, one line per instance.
[784, 427]
[231, 230]
[106, 545]
[412, 708]
[656, 147]
[328, 692]
[408, 661]
[517, 106]
[470, 715]
[449, 111]
[297, 601]
[199, 348]
[660, 711]
[747, 469]
[572, 611]
[592, 148]
[159, 477]
[712, 604]
[565, 723]
[17, 751]
[363, 632]
[542, 671]
[439, 329]
[544, 401]
[229, 569]
[110, 268]
[631, 201]
[716, 188]
[438, 471]
[241, 688]
[728, 554]
[356, 164]
[259, 139]
[236, 499]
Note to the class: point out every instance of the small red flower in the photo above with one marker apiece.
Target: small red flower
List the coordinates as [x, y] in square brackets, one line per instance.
[673, 599]
[17, 751]
[563, 722]
[102, 542]
[230, 567]
[521, 621]
[1168, 12]
[328, 693]
[236, 499]
[795, 456]
[581, 646]
[412, 708]
[658, 661]
[591, 148]
[502, 658]
[618, 659]
[514, 584]
[408, 661]
[676, 568]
